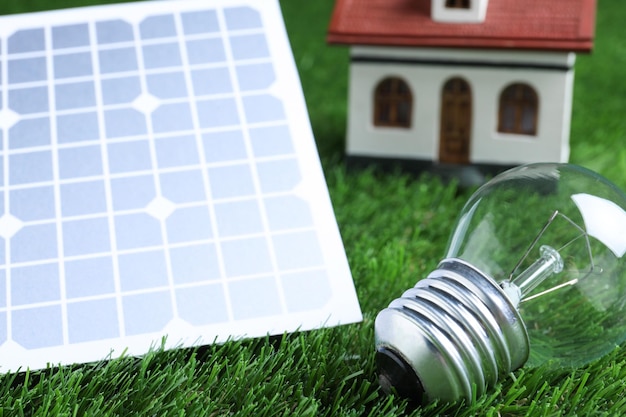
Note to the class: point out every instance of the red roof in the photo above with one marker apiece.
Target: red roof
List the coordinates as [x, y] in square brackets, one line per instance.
[561, 25]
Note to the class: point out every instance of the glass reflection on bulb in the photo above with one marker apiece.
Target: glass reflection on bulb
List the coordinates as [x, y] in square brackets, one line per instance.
[534, 272]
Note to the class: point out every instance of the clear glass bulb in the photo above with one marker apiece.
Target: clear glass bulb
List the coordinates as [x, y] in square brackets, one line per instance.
[534, 272]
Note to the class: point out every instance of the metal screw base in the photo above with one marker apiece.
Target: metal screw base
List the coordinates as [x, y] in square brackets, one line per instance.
[450, 336]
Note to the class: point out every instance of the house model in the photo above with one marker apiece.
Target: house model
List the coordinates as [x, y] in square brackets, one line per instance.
[461, 82]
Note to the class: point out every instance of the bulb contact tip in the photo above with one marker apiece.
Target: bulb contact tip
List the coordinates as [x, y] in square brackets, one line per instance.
[395, 374]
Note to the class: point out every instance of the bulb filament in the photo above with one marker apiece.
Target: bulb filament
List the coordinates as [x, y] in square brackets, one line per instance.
[549, 263]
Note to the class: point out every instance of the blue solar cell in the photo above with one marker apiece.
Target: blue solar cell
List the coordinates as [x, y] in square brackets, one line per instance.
[224, 146]
[281, 175]
[189, 224]
[92, 320]
[113, 31]
[120, 90]
[129, 156]
[271, 141]
[31, 167]
[242, 18]
[297, 250]
[2, 251]
[287, 212]
[246, 256]
[80, 198]
[142, 270]
[238, 218]
[87, 236]
[89, 277]
[176, 151]
[146, 313]
[202, 21]
[231, 181]
[167, 84]
[75, 95]
[211, 81]
[252, 298]
[255, 76]
[117, 60]
[183, 186]
[36, 203]
[27, 70]
[73, 65]
[161, 26]
[70, 36]
[161, 55]
[77, 127]
[34, 243]
[30, 132]
[249, 46]
[205, 51]
[132, 192]
[201, 305]
[38, 327]
[124, 122]
[29, 100]
[263, 108]
[217, 112]
[173, 117]
[194, 263]
[35, 284]
[138, 230]
[27, 40]
[82, 161]
[306, 290]
[3, 289]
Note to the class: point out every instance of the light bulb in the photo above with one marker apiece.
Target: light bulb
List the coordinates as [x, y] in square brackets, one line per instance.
[534, 272]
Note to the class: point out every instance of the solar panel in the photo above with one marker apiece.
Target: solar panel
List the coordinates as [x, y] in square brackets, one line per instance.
[158, 178]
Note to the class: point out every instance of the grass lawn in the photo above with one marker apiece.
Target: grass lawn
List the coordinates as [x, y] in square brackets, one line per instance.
[394, 228]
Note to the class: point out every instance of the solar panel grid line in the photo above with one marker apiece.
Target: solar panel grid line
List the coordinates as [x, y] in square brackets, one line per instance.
[6, 315]
[62, 146]
[244, 130]
[108, 193]
[139, 50]
[141, 135]
[242, 116]
[57, 200]
[159, 246]
[18, 150]
[205, 177]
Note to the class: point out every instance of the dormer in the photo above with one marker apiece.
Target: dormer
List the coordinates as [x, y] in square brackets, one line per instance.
[459, 11]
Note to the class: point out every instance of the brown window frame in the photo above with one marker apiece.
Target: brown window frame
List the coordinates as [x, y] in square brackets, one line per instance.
[393, 103]
[518, 101]
[458, 4]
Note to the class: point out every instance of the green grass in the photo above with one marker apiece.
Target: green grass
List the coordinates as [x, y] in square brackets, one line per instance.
[394, 229]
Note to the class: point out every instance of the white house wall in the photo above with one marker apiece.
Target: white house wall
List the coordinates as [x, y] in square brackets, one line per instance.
[421, 141]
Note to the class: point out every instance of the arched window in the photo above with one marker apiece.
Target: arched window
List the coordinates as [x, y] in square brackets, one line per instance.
[518, 111]
[393, 103]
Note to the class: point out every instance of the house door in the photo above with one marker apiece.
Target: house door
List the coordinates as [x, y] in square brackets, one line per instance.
[456, 122]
